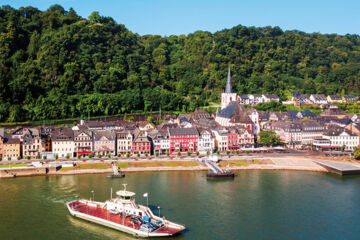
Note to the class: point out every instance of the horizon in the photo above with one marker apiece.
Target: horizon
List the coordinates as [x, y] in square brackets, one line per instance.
[159, 18]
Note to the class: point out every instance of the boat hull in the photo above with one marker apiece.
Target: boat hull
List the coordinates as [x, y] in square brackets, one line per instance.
[220, 175]
[121, 175]
[161, 232]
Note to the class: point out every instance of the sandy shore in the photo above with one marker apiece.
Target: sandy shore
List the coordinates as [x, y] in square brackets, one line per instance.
[295, 163]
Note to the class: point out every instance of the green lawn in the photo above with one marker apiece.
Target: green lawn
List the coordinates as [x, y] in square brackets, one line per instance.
[13, 165]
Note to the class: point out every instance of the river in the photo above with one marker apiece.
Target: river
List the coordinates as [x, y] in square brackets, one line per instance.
[255, 205]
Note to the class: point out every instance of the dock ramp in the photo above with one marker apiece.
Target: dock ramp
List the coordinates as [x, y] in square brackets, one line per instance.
[339, 167]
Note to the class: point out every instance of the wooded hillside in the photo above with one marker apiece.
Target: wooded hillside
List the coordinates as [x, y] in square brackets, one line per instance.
[56, 64]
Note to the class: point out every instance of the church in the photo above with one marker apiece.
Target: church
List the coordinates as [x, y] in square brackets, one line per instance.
[233, 114]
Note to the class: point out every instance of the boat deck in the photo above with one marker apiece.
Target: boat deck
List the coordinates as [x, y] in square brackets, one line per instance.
[106, 215]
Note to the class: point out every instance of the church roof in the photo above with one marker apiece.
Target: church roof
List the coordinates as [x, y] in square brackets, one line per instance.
[231, 109]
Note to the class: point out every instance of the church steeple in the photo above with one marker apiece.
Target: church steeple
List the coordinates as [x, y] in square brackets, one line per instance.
[228, 88]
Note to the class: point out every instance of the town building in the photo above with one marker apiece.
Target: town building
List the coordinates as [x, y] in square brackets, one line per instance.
[141, 144]
[234, 115]
[255, 98]
[63, 144]
[11, 148]
[33, 144]
[349, 98]
[2, 139]
[161, 142]
[183, 140]
[334, 99]
[221, 139]
[318, 98]
[206, 141]
[124, 142]
[311, 130]
[104, 142]
[337, 138]
[270, 98]
[83, 139]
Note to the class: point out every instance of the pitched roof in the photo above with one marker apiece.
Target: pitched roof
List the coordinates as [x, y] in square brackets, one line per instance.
[232, 109]
[108, 134]
[271, 96]
[62, 134]
[141, 137]
[332, 112]
[183, 131]
[201, 113]
[335, 97]
[319, 96]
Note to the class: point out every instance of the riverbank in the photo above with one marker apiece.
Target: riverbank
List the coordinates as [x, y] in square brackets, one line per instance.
[261, 163]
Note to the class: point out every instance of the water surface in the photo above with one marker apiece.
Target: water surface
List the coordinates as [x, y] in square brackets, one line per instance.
[256, 205]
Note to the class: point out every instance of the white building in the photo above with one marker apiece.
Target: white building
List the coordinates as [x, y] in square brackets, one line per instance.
[255, 98]
[63, 144]
[206, 142]
[221, 139]
[341, 137]
[318, 98]
[123, 142]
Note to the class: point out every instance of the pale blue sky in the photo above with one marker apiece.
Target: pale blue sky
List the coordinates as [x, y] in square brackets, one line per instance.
[167, 17]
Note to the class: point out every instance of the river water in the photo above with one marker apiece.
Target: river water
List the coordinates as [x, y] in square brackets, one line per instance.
[255, 205]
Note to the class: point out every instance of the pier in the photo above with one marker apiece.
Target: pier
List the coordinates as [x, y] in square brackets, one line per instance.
[339, 167]
[217, 172]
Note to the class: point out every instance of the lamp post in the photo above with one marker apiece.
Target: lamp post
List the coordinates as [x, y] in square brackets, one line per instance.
[92, 192]
[159, 210]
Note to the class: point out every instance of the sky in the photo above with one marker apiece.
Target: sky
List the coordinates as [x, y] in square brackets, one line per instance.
[168, 17]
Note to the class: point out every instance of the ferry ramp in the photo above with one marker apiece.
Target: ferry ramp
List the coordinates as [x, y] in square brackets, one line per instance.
[339, 167]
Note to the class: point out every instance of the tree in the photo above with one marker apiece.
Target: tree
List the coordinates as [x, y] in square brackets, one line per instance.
[56, 157]
[99, 155]
[269, 138]
[38, 156]
[179, 154]
[167, 153]
[146, 154]
[356, 152]
[189, 153]
[138, 154]
[118, 155]
[109, 155]
[18, 158]
[67, 156]
[44, 157]
[156, 154]
[95, 17]
[9, 158]
[90, 155]
[27, 157]
[207, 152]
[127, 155]
[197, 153]
[78, 156]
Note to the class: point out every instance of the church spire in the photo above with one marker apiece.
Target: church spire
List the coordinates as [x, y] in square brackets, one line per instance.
[228, 88]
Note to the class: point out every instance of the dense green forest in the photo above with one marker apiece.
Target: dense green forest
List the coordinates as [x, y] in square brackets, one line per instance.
[55, 64]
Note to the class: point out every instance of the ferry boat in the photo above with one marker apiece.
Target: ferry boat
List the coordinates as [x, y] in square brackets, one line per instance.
[123, 214]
